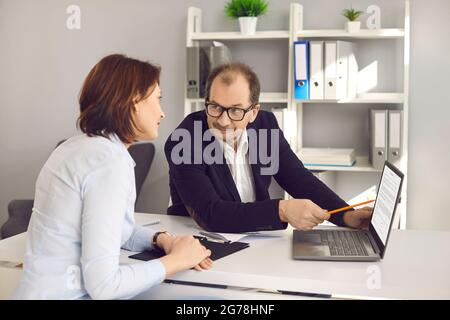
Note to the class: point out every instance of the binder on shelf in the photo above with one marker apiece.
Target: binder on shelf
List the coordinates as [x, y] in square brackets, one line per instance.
[316, 81]
[352, 70]
[378, 136]
[395, 136]
[330, 70]
[200, 62]
[301, 69]
[341, 70]
[196, 68]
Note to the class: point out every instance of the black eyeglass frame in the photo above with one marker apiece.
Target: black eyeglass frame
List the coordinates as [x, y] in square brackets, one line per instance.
[227, 110]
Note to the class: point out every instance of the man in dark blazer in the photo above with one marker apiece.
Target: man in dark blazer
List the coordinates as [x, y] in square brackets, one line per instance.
[222, 159]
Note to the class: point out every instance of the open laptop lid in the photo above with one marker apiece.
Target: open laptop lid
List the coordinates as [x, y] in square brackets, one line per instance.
[388, 196]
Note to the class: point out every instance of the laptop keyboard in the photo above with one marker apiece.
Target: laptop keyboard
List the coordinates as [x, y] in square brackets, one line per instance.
[345, 243]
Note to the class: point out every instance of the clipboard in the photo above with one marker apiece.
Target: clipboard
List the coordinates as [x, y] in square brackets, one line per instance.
[218, 250]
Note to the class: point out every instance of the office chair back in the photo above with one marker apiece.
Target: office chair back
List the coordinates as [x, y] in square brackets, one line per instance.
[19, 214]
[142, 154]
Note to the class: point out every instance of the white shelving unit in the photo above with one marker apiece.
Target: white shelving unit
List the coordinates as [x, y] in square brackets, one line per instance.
[195, 35]
[375, 97]
[294, 126]
[295, 107]
[342, 34]
[262, 35]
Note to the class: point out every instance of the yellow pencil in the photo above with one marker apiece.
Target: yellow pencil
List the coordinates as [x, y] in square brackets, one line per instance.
[349, 207]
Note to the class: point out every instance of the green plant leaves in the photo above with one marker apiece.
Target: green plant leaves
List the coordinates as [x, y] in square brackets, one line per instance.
[351, 14]
[245, 8]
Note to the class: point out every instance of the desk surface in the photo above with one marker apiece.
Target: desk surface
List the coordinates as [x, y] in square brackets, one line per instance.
[9, 277]
[415, 266]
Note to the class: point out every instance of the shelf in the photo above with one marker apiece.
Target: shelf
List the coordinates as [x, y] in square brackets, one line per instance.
[373, 97]
[362, 34]
[265, 97]
[273, 97]
[259, 35]
[362, 165]
[284, 34]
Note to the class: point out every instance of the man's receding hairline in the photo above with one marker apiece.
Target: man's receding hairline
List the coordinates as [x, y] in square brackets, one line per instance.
[228, 77]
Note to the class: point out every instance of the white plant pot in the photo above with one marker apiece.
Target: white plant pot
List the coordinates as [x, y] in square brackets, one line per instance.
[353, 26]
[248, 25]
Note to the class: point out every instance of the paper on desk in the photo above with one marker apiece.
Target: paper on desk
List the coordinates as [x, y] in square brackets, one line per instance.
[253, 235]
[265, 234]
[13, 249]
[231, 236]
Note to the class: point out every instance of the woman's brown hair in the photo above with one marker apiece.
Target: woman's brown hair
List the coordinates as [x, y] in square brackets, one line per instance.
[109, 93]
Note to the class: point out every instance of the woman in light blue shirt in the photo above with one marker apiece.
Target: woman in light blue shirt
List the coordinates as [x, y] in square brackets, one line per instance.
[84, 202]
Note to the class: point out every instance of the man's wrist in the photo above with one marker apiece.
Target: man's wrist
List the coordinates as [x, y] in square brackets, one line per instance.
[282, 210]
[344, 220]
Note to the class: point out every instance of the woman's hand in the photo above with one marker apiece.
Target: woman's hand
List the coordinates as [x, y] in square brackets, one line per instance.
[204, 265]
[164, 241]
[186, 252]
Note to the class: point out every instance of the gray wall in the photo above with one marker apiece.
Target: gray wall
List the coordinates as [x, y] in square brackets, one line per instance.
[43, 65]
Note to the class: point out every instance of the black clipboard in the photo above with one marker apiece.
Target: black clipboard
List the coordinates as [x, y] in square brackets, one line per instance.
[218, 250]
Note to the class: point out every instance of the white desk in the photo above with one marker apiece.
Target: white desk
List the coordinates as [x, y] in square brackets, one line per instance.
[13, 249]
[170, 291]
[9, 277]
[415, 266]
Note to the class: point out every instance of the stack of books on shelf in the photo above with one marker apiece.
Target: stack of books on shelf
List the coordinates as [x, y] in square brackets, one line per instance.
[327, 157]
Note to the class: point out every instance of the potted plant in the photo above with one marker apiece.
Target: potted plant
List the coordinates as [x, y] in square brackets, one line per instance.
[247, 11]
[352, 15]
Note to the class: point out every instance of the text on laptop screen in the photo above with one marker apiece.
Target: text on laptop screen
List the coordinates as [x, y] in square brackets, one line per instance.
[384, 206]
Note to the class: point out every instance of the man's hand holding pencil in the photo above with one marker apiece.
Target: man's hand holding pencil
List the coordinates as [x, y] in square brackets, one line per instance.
[303, 214]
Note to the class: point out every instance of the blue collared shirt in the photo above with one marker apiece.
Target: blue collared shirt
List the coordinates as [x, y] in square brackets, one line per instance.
[83, 215]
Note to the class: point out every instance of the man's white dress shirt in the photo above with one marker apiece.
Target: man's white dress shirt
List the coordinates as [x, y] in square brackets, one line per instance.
[239, 165]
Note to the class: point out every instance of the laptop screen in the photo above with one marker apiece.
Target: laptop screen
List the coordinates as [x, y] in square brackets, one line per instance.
[385, 205]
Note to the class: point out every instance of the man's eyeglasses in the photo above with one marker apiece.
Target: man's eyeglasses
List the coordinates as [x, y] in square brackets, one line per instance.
[236, 114]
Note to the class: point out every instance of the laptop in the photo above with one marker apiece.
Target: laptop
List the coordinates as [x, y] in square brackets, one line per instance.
[343, 244]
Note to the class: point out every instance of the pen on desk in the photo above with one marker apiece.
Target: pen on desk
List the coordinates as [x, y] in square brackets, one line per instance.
[150, 223]
[214, 235]
[349, 207]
